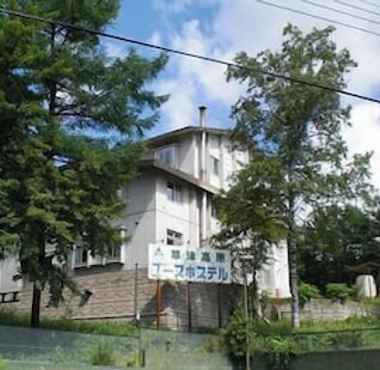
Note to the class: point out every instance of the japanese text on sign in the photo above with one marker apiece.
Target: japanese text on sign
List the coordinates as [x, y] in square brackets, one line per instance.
[180, 263]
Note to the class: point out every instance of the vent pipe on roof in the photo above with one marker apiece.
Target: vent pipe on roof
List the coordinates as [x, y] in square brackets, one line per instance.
[202, 116]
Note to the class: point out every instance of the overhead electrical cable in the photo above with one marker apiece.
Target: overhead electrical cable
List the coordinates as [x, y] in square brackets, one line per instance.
[345, 3]
[291, 79]
[329, 20]
[339, 11]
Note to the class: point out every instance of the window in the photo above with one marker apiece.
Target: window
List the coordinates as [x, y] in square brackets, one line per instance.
[173, 238]
[80, 257]
[215, 165]
[114, 254]
[167, 155]
[174, 192]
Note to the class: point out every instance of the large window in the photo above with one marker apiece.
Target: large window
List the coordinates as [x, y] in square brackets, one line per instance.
[174, 192]
[114, 254]
[166, 155]
[173, 237]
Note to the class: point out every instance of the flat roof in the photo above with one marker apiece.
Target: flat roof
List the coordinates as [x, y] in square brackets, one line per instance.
[172, 135]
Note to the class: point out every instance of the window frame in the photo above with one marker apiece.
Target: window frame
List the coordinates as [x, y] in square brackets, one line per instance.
[176, 191]
[175, 239]
[215, 165]
[168, 155]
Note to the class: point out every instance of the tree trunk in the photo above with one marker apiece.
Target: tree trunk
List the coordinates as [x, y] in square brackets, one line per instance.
[36, 304]
[256, 304]
[293, 270]
[293, 279]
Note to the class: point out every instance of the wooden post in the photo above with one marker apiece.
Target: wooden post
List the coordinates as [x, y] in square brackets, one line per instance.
[189, 311]
[36, 304]
[136, 291]
[158, 304]
[220, 305]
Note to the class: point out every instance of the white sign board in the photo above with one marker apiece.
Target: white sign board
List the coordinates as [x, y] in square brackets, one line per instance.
[182, 263]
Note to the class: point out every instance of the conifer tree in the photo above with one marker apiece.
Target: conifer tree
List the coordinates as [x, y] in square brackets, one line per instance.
[71, 119]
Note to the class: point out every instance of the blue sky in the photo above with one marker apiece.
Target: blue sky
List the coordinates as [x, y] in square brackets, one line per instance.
[221, 28]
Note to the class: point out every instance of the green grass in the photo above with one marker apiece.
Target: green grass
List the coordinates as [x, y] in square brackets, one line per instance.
[283, 327]
[91, 327]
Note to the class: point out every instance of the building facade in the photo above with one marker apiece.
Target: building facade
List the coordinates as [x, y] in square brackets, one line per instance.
[170, 202]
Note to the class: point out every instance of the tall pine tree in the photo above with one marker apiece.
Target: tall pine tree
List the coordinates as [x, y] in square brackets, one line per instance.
[71, 118]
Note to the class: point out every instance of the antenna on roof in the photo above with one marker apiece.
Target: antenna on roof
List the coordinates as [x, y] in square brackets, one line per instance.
[202, 116]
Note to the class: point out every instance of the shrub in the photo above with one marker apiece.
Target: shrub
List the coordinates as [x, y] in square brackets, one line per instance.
[102, 355]
[347, 340]
[3, 364]
[308, 292]
[235, 335]
[94, 327]
[339, 291]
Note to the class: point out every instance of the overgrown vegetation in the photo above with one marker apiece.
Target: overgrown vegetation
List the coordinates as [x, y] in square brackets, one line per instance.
[339, 292]
[90, 327]
[102, 355]
[3, 364]
[308, 292]
[278, 343]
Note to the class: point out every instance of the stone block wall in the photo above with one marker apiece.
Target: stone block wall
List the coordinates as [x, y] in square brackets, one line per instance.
[325, 309]
[113, 298]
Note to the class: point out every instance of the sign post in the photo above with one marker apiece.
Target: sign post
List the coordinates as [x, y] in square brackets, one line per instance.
[189, 312]
[190, 265]
[220, 305]
[158, 304]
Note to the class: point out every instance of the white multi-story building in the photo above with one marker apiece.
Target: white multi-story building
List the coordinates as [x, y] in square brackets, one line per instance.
[171, 202]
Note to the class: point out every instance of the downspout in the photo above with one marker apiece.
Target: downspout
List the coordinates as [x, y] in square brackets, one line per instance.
[203, 168]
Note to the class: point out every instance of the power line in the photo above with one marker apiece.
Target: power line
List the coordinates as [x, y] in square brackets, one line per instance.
[370, 3]
[187, 54]
[356, 7]
[340, 11]
[329, 20]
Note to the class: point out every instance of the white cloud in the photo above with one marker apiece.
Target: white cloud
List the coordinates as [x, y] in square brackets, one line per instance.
[364, 135]
[250, 26]
[115, 49]
[178, 6]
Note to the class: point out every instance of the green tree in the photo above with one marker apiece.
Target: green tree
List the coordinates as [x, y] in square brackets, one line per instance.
[71, 120]
[336, 238]
[251, 214]
[301, 127]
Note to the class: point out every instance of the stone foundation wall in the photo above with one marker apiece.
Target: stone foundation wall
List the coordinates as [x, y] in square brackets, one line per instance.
[113, 298]
[324, 309]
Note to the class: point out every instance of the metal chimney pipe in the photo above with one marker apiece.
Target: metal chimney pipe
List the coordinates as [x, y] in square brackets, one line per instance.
[202, 115]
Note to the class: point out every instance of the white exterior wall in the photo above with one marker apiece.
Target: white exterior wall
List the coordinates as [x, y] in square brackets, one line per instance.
[274, 276]
[9, 268]
[140, 219]
[186, 151]
[182, 217]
